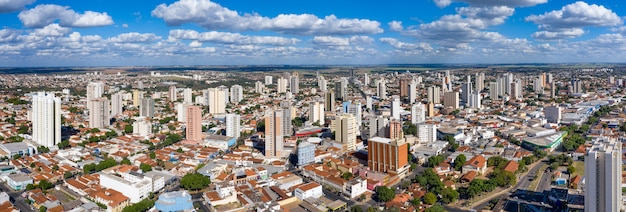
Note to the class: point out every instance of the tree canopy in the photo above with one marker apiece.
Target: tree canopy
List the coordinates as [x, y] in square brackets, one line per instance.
[194, 182]
[385, 193]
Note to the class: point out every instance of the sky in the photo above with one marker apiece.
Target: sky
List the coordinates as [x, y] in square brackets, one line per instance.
[38, 33]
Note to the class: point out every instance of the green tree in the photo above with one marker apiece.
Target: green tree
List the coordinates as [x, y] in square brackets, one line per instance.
[145, 167]
[143, 205]
[435, 160]
[64, 144]
[356, 208]
[430, 198]
[571, 169]
[125, 161]
[179, 150]
[411, 130]
[30, 187]
[449, 195]
[152, 155]
[194, 182]
[44, 185]
[416, 202]
[459, 161]
[67, 175]
[385, 193]
[89, 168]
[435, 208]
[128, 129]
[43, 209]
[497, 161]
[346, 175]
[43, 149]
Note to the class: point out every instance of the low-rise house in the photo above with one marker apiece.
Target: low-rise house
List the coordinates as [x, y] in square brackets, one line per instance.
[477, 164]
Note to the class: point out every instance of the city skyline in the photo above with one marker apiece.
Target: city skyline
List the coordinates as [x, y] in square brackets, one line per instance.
[203, 32]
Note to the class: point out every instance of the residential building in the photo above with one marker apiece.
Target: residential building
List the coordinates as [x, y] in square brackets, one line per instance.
[378, 126]
[309, 190]
[427, 133]
[329, 102]
[356, 110]
[46, 119]
[99, 113]
[194, 123]
[434, 95]
[236, 93]
[181, 112]
[306, 153]
[135, 190]
[395, 129]
[345, 129]
[173, 94]
[355, 187]
[316, 112]
[412, 92]
[274, 133]
[281, 85]
[418, 113]
[94, 91]
[147, 107]
[395, 107]
[268, 80]
[116, 104]
[217, 100]
[259, 87]
[18, 181]
[381, 89]
[451, 99]
[142, 128]
[187, 95]
[553, 114]
[388, 155]
[294, 85]
[233, 125]
[477, 163]
[603, 176]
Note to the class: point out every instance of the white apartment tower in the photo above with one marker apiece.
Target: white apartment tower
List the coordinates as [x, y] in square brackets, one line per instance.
[294, 86]
[188, 95]
[377, 127]
[412, 92]
[356, 110]
[147, 107]
[381, 89]
[259, 87]
[236, 93]
[217, 100]
[553, 114]
[281, 86]
[321, 82]
[603, 176]
[99, 113]
[172, 94]
[233, 125]
[116, 104]
[434, 95]
[316, 112]
[395, 107]
[418, 113]
[268, 80]
[94, 91]
[346, 130]
[181, 112]
[427, 133]
[46, 119]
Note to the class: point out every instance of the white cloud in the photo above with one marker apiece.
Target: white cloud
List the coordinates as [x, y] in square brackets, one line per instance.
[340, 41]
[125, 25]
[213, 16]
[406, 46]
[570, 19]
[494, 15]
[395, 26]
[13, 5]
[46, 14]
[229, 38]
[53, 30]
[135, 37]
[8, 35]
[508, 3]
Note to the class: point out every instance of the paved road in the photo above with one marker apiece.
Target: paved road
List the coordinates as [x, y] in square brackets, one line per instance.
[19, 201]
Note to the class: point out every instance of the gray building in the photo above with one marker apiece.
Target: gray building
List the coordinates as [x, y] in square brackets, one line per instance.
[306, 153]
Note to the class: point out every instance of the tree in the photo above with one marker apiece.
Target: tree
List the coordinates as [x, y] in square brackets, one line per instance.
[571, 169]
[43, 209]
[346, 175]
[497, 161]
[179, 150]
[144, 205]
[194, 182]
[30, 187]
[416, 202]
[64, 144]
[385, 193]
[44, 185]
[356, 208]
[67, 175]
[411, 130]
[145, 167]
[89, 168]
[435, 160]
[449, 195]
[43, 149]
[435, 208]
[128, 129]
[430, 198]
[152, 155]
[459, 161]
[125, 161]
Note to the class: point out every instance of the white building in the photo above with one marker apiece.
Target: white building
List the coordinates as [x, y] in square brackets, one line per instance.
[116, 104]
[553, 114]
[309, 190]
[99, 113]
[181, 112]
[217, 100]
[46, 119]
[268, 80]
[356, 110]
[259, 87]
[603, 176]
[412, 92]
[434, 95]
[355, 187]
[395, 107]
[147, 107]
[281, 86]
[188, 95]
[418, 113]
[294, 85]
[172, 94]
[142, 128]
[381, 89]
[345, 129]
[236, 93]
[94, 91]
[316, 112]
[233, 125]
[321, 82]
[427, 133]
[133, 185]
[475, 100]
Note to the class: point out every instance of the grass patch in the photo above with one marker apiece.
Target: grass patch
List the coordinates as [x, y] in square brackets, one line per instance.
[580, 168]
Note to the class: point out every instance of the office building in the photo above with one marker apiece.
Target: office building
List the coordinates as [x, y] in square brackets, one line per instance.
[46, 119]
[294, 85]
[194, 123]
[236, 93]
[147, 107]
[418, 113]
[217, 100]
[434, 95]
[395, 107]
[281, 85]
[427, 133]
[233, 125]
[268, 80]
[388, 155]
[116, 104]
[329, 100]
[316, 112]
[603, 176]
[346, 130]
[274, 133]
[451, 99]
[173, 94]
[553, 114]
[99, 113]
[188, 95]
[306, 153]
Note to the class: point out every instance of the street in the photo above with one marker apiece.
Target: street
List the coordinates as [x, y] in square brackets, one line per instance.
[19, 201]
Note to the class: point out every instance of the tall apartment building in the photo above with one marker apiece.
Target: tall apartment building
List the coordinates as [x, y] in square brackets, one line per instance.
[259, 87]
[329, 100]
[217, 100]
[94, 91]
[274, 133]
[346, 130]
[187, 95]
[288, 115]
[294, 85]
[142, 128]
[233, 125]
[388, 155]
[451, 99]
[434, 95]
[466, 91]
[181, 112]
[494, 91]
[381, 89]
[427, 133]
[418, 113]
[268, 80]
[173, 94]
[355, 109]
[340, 90]
[316, 112]
[99, 113]
[321, 83]
[46, 119]
[479, 83]
[576, 86]
[395, 107]
[116, 104]
[603, 176]
[553, 114]
[404, 87]
[378, 126]
[147, 107]
[306, 153]
[236, 93]
[281, 85]
[395, 129]
[194, 123]
[412, 92]
[137, 96]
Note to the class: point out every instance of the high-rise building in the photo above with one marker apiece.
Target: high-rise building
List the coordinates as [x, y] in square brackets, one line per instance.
[306, 153]
[466, 91]
[294, 85]
[404, 87]
[418, 113]
[340, 90]
[366, 80]
[388, 155]
[603, 176]
[479, 85]
[329, 100]
[576, 86]
[137, 96]
[345, 130]
[274, 133]
[434, 95]
[217, 100]
[194, 123]
[493, 91]
[236, 93]
[233, 125]
[451, 99]
[381, 89]
[46, 119]
[368, 102]
[321, 82]
[475, 100]
[395, 129]
[259, 87]
[516, 91]
[412, 92]
[142, 128]
[553, 114]
[99, 113]
[147, 107]
[316, 112]
[427, 133]
[268, 80]
[173, 94]
[181, 112]
[94, 91]
[281, 85]
[355, 109]
[538, 86]
[552, 90]
[378, 126]
[288, 116]
[187, 95]
[116, 104]
[395, 107]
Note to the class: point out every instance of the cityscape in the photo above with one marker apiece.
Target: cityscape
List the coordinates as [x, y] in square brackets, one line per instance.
[312, 106]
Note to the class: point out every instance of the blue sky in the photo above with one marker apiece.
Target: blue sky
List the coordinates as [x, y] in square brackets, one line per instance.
[243, 32]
